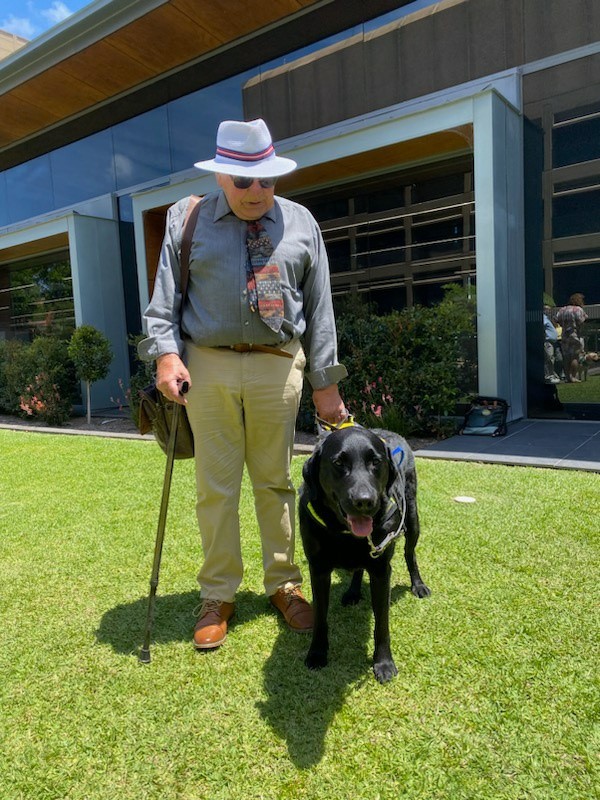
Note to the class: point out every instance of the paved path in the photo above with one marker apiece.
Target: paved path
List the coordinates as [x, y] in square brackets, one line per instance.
[533, 443]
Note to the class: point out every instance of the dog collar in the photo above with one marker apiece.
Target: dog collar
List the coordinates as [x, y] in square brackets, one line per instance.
[324, 427]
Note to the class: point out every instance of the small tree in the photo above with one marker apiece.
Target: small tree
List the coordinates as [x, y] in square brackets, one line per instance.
[92, 354]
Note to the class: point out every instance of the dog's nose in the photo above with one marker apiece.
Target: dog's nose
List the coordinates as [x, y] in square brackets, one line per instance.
[364, 501]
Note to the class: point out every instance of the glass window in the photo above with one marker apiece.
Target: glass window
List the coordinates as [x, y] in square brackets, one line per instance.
[383, 200]
[141, 147]
[576, 142]
[29, 187]
[329, 208]
[194, 119]
[38, 296]
[434, 188]
[437, 238]
[83, 170]
[575, 214]
[431, 292]
[388, 299]
[340, 258]
[584, 278]
[380, 249]
[4, 220]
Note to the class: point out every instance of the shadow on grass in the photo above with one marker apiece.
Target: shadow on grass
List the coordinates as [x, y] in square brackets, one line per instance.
[301, 703]
[123, 626]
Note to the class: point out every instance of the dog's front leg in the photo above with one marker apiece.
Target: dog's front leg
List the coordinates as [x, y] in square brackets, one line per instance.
[383, 662]
[316, 657]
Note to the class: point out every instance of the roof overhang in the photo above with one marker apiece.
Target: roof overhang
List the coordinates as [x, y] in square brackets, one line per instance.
[115, 59]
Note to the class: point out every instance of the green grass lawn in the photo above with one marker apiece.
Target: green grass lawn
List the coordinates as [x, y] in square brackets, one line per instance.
[584, 392]
[497, 696]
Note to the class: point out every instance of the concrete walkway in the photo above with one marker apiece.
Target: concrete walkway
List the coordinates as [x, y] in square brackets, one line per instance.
[530, 443]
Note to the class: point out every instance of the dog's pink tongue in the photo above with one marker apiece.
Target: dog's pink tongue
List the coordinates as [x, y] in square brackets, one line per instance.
[360, 526]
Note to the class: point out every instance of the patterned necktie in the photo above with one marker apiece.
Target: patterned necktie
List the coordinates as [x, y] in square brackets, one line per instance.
[264, 280]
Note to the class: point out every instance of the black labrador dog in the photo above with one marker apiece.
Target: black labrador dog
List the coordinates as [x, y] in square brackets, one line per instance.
[359, 494]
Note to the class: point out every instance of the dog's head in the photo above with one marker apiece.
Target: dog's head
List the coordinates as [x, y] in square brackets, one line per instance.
[352, 472]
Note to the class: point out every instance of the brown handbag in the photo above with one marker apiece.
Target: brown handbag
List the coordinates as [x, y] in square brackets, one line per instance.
[157, 414]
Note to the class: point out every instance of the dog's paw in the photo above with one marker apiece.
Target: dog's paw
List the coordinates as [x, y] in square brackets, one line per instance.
[351, 598]
[420, 590]
[316, 659]
[384, 671]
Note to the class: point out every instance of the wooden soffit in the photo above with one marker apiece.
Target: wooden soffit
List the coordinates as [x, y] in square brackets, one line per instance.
[141, 53]
[423, 149]
[35, 247]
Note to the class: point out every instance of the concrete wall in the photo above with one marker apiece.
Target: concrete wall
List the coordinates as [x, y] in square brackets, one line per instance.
[98, 295]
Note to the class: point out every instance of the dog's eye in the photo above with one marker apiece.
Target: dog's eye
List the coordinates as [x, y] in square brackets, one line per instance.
[375, 462]
[339, 463]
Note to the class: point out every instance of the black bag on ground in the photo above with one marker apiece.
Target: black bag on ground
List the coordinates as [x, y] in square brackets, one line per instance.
[156, 416]
[486, 416]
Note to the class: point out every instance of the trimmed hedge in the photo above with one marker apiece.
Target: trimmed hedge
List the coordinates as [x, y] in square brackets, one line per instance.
[37, 379]
[407, 370]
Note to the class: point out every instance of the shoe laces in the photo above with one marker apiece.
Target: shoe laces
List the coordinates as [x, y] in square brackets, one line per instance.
[206, 606]
[292, 593]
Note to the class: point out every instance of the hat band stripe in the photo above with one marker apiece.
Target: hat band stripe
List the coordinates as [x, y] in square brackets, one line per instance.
[247, 157]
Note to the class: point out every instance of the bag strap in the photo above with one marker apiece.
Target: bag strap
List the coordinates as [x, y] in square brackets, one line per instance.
[189, 225]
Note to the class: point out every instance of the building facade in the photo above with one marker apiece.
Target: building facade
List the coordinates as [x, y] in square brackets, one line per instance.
[447, 142]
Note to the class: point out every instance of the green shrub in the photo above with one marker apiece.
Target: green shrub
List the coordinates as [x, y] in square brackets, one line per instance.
[13, 374]
[37, 379]
[408, 369]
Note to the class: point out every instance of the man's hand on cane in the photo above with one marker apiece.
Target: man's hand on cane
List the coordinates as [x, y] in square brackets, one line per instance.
[171, 375]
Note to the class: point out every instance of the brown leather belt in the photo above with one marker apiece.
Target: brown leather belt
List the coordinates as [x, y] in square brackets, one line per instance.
[256, 348]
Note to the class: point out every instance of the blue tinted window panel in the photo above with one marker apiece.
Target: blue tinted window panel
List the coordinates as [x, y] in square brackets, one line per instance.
[141, 147]
[3, 201]
[194, 119]
[29, 189]
[83, 170]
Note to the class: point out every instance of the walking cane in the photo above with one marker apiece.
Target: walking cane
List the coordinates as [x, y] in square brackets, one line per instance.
[144, 655]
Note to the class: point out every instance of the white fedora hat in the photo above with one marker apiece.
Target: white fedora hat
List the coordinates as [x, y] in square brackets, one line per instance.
[246, 148]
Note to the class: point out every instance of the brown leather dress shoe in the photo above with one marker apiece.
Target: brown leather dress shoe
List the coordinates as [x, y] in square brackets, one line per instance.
[296, 610]
[211, 629]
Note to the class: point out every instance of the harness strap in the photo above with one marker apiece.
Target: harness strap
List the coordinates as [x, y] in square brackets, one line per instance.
[314, 514]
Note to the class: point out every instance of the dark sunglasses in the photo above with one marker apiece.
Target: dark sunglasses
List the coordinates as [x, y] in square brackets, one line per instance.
[245, 183]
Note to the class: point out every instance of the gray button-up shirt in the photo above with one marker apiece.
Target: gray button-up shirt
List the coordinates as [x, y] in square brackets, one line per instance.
[217, 311]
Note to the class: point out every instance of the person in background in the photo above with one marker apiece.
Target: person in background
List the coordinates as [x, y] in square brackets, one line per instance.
[258, 309]
[571, 318]
[551, 345]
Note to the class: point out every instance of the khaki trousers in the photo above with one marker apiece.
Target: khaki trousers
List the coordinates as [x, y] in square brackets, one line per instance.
[242, 409]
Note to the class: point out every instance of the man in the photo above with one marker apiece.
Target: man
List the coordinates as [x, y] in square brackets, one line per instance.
[258, 285]
[572, 317]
